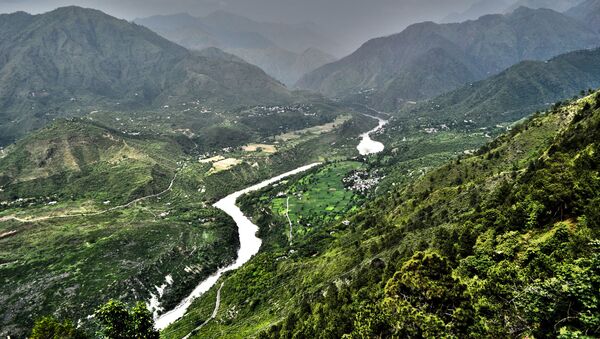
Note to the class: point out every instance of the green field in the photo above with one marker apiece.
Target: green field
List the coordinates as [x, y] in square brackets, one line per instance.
[316, 198]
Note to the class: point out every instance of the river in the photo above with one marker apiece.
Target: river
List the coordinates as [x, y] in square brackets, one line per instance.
[249, 242]
[367, 145]
[249, 245]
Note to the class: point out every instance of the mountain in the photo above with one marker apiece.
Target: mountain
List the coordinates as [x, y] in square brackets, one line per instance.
[476, 10]
[587, 12]
[557, 5]
[73, 60]
[517, 91]
[285, 52]
[427, 59]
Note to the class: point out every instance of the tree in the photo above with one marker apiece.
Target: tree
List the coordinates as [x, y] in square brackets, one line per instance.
[119, 322]
[425, 300]
[50, 328]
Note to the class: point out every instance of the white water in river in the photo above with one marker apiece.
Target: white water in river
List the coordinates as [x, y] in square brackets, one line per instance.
[249, 245]
[368, 146]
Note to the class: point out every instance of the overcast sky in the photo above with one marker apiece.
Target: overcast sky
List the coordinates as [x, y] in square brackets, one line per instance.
[353, 21]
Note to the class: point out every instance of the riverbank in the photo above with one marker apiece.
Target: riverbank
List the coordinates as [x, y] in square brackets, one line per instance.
[249, 245]
[249, 242]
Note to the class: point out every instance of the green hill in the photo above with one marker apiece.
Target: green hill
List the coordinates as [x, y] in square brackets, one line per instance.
[502, 243]
[71, 61]
[77, 159]
[514, 93]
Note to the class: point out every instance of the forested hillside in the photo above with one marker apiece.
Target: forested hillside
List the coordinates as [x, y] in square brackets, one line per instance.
[515, 92]
[503, 243]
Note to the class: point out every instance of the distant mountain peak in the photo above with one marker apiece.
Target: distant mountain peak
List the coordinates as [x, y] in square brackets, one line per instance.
[477, 10]
[17, 13]
[78, 10]
[556, 5]
[408, 65]
[588, 13]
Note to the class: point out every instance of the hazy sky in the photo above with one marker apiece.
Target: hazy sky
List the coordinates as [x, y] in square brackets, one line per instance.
[350, 21]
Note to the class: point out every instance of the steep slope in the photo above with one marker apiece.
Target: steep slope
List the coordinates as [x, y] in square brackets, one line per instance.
[514, 93]
[499, 244]
[247, 39]
[456, 53]
[588, 12]
[73, 60]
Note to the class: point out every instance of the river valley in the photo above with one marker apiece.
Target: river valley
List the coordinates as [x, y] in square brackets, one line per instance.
[249, 242]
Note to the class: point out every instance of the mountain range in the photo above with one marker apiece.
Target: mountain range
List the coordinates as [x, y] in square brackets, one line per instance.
[286, 52]
[557, 5]
[484, 7]
[73, 60]
[515, 92]
[428, 59]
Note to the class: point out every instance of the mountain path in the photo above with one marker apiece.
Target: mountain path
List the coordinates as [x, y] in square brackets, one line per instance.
[287, 215]
[64, 216]
[214, 312]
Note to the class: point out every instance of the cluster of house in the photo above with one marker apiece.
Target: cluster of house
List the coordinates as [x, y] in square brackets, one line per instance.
[258, 111]
[362, 181]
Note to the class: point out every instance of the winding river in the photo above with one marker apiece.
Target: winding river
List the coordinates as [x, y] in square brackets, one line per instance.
[249, 242]
[367, 145]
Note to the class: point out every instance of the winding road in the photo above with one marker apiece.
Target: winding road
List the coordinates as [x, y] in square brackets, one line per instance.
[64, 216]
